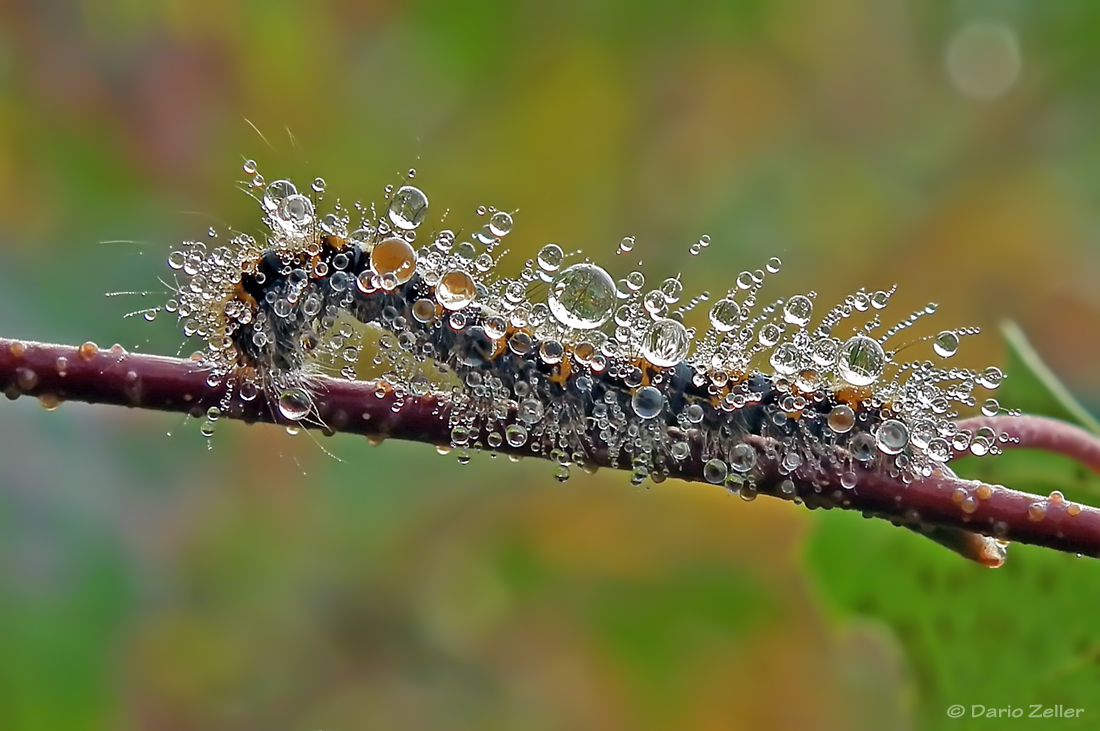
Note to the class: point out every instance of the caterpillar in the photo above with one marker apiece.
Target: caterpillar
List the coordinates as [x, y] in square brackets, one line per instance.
[563, 360]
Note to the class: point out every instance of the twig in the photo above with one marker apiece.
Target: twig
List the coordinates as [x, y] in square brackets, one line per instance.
[956, 512]
[1041, 432]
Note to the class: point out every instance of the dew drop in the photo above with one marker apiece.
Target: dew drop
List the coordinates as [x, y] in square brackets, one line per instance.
[408, 208]
[550, 258]
[714, 471]
[456, 290]
[500, 223]
[647, 402]
[990, 378]
[946, 344]
[842, 419]
[276, 192]
[861, 361]
[393, 258]
[892, 436]
[295, 404]
[725, 315]
[742, 457]
[665, 343]
[515, 435]
[582, 296]
[296, 210]
[862, 446]
[798, 310]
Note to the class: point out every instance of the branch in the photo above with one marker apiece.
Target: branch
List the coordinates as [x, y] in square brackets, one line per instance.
[966, 515]
[1041, 432]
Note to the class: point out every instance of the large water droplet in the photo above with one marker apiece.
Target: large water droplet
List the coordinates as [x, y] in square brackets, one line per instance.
[582, 296]
[946, 344]
[785, 359]
[296, 211]
[550, 258]
[276, 192]
[742, 457]
[861, 361]
[516, 435]
[647, 402]
[892, 436]
[500, 223]
[665, 343]
[394, 258]
[842, 419]
[408, 208]
[798, 310]
[724, 315]
[456, 289]
[714, 471]
[294, 404]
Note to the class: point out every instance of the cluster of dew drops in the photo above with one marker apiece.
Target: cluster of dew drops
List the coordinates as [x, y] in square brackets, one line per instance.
[561, 307]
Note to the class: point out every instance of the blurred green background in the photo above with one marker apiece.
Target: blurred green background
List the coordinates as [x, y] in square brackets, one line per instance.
[147, 582]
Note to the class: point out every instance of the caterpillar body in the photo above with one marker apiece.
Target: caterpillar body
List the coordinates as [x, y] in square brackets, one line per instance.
[563, 360]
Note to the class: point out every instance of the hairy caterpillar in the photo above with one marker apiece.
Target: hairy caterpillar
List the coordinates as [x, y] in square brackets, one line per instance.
[563, 360]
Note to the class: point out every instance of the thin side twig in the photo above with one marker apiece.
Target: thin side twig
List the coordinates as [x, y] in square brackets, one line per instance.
[966, 515]
[1041, 432]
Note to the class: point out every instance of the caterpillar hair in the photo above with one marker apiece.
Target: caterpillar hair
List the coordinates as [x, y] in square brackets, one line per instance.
[563, 360]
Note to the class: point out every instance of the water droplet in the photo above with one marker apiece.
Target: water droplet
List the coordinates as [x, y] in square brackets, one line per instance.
[550, 258]
[515, 435]
[530, 411]
[408, 208]
[892, 436]
[582, 296]
[714, 471]
[88, 350]
[295, 404]
[276, 192]
[824, 352]
[861, 361]
[862, 446]
[665, 343]
[551, 352]
[774, 264]
[785, 359]
[798, 310]
[724, 315]
[296, 210]
[842, 419]
[647, 402]
[990, 378]
[990, 407]
[393, 258]
[626, 245]
[946, 344]
[500, 223]
[742, 457]
[672, 289]
[456, 289]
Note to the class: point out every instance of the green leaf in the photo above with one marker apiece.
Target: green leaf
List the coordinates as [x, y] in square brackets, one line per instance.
[1017, 635]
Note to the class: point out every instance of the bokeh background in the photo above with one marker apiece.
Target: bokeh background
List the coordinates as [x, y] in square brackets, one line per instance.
[148, 582]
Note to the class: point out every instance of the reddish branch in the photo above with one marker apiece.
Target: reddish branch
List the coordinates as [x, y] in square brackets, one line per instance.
[1040, 432]
[967, 516]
